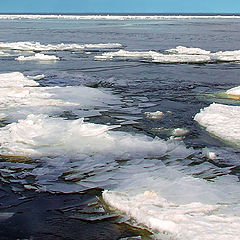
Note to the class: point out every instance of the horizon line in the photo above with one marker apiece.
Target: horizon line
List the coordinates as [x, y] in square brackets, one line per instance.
[120, 13]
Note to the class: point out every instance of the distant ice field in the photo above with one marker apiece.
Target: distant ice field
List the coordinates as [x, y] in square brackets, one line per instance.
[115, 17]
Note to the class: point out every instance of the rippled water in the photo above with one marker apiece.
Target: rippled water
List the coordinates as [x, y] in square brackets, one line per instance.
[123, 124]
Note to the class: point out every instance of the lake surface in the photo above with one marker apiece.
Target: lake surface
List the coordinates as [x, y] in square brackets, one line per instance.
[101, 142]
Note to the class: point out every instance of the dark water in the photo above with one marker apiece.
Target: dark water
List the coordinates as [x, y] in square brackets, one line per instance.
[179, 89]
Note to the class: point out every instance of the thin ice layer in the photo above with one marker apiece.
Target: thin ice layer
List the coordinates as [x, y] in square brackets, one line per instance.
[222, 121]
[38, 57]
[36, 46]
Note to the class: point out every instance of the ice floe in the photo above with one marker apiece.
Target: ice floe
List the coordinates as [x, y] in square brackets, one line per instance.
[38, 57]
[36, 46]
[154, 115]
[195, 221]
[126, 54]
[180, 54]
[155, 56]
[234, 91]
[226, 56]
[42, 135]
[20, 96]
[16, 79]
[179, 132]
[181, 58]
[174, 205]
[221, 121]
[209, 154]
[186, 50]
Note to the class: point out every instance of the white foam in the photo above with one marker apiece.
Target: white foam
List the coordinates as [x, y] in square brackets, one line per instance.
[234, 91]
[36, 46]
[222, 121]
[38, 57]
[113, 17]
[186, 50]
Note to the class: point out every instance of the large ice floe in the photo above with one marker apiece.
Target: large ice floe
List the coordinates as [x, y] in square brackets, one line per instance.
[36, 46]
[178, 207]
[221, 121]
[38, 57]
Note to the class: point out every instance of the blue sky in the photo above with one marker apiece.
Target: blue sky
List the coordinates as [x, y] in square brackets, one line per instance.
[118, 6]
